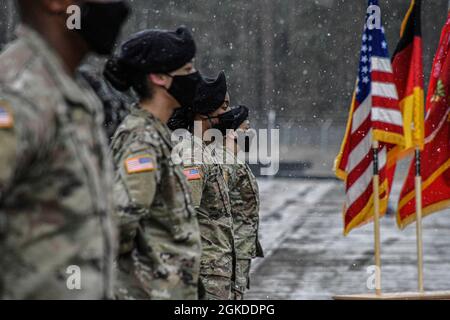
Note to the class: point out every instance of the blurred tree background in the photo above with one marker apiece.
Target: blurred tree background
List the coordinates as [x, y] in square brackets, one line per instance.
[296, 57]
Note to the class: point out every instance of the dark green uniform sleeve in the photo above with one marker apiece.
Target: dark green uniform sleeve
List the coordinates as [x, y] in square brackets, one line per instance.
[17, 136]
[196, 176]
[139, 177]
[140, 183]
[8, 146]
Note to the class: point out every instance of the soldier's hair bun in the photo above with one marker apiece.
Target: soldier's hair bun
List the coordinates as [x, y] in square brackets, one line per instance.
[117, 75]
[182, 118]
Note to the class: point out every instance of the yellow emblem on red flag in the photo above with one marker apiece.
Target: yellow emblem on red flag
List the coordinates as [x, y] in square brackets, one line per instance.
[435, 158]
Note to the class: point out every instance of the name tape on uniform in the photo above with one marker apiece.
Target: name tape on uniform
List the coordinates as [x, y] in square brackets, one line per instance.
[192, 174]
[6, 119]
[140, 164]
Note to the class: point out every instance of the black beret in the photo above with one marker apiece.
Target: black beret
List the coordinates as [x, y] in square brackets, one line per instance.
[158, 51]
[210, 94]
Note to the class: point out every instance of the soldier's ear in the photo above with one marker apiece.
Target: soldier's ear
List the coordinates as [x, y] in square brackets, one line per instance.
[161, 80]
[56, 6]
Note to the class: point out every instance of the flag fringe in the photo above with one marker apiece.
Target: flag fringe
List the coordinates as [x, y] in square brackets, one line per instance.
[436, 174]
[432, 208]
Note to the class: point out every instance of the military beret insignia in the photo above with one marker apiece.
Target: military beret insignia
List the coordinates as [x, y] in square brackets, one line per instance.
[6, 118]
[139, 164]
[192, 174]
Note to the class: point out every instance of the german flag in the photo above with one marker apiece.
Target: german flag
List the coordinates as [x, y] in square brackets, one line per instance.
[435, 158]
[407, 64]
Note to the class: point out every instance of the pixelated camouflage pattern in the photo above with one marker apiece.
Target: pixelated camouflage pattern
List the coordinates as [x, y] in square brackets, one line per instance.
[242, 280]
[160, 245]
[55, 178]
[212, 203]
[244, 197]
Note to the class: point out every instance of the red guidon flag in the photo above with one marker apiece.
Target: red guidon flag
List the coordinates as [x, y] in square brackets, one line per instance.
[407, 64]
[374, 115]
[435, 158]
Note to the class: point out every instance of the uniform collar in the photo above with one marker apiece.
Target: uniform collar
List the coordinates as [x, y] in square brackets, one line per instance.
[143, 113]
[161, 127]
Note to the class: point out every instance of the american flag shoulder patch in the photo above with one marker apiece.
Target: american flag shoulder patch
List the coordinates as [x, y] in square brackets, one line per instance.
[139, 164]
[6, 119]
[192, 174]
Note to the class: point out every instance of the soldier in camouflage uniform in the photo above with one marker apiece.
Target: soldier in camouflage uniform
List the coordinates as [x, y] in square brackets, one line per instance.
[56, 233]
[244, 196]
[116, 105]
[210, 192]
[160, 244]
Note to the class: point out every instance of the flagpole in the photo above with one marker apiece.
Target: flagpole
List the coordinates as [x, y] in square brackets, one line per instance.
[376, 206]
[418, 187]
[419, 214]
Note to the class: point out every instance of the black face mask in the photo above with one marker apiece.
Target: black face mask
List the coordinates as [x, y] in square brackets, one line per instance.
[231, 119]
[183, 88]
[101, 24]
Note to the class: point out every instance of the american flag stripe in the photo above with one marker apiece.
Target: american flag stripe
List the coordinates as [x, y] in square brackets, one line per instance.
[389, 117]
[355, 206]
[385, 103]
[385, 90]
[381, 64]
[382, 78]
[360, 152]
[361, 115]
[375, 113]
[359, 185]
[363, 167]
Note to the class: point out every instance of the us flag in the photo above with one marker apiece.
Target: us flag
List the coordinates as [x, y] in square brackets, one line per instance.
[192, 174]
[139, 164]
[374, 115]
[5, 118]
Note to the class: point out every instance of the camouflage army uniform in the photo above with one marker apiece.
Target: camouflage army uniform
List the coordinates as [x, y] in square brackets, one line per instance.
[211, 199]
[244, 196]
[160, 245]
[55, 178]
